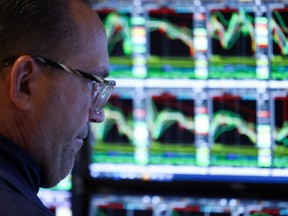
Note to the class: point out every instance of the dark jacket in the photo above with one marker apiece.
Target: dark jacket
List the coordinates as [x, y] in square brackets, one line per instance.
[19, 182]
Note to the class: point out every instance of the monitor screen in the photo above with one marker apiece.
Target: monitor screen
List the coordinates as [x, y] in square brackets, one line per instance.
[189, 134]
[229, 124]
[280, 124]
[233, 47]
[279, 51]
[118, 27]
[115, 135]
[149, 205]
[170, 47]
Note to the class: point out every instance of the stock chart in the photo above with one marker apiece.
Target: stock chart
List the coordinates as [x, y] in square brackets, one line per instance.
[232, 44]
[279, 32]
[212, 95]
[234, 130]
[171, 48]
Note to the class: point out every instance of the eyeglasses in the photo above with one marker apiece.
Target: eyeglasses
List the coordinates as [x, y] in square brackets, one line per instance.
[101, 88]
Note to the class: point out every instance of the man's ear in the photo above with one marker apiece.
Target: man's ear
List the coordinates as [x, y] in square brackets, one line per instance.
[24, 72]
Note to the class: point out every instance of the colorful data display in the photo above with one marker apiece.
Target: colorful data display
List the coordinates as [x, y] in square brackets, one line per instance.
[217, 41]
[201, 92]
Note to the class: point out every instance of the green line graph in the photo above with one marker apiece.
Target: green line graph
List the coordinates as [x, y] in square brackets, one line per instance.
[118, 28]
[160, 120]
[224, 120]
[279, 31]
[227, 32]
[173, 32]
[166, 118]
[282, 134]
[114, 116]
[281, 121]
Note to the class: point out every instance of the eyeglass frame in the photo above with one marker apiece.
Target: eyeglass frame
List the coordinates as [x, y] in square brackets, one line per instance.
[104, 90]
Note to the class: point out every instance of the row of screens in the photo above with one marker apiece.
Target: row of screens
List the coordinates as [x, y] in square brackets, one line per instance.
[240, 43]
[147, 205]
[176, 133]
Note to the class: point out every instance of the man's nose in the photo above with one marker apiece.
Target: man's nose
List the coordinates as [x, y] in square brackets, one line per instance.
[96, 116]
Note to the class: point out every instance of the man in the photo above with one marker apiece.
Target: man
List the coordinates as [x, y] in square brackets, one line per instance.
[45, 103]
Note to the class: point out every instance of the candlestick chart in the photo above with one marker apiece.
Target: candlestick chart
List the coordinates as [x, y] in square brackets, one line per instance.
[113, 137]
[118, 29]
[233, 130]
[171, 44]
[279, 57]
[281, 132]
[171, 124]
[232, 44]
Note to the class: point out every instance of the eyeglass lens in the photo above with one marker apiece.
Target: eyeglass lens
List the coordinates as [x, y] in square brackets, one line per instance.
[101, 94]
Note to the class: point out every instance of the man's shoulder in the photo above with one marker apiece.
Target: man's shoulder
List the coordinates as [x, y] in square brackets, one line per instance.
[14, 204]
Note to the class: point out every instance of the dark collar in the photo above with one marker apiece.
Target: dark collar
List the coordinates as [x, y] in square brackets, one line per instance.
[19, 168]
